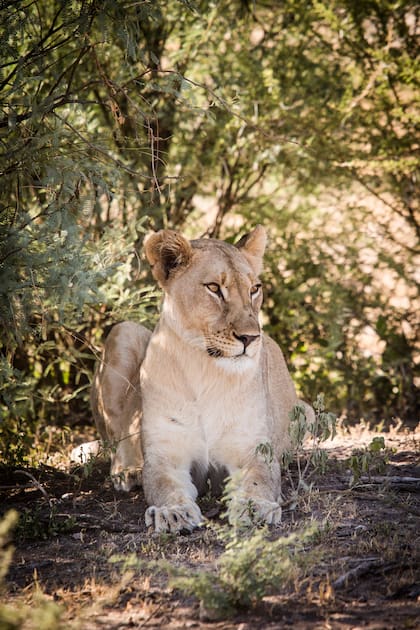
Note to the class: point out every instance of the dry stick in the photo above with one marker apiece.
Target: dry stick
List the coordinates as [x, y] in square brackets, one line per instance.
[153, 614]
[92, 522]
[390, 479]
[36, 484]
[364, 567]
[409, 484]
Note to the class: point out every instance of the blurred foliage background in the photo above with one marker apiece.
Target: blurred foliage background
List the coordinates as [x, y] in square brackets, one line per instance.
[117, 117]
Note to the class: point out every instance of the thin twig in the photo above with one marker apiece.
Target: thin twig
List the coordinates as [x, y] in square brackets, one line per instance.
[98, 149]
[36, 484]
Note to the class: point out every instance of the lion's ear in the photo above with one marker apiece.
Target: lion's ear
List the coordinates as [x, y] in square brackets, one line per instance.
[253, 246]
[167, 251]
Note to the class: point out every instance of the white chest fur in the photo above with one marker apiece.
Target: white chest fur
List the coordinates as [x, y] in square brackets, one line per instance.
[194, 408]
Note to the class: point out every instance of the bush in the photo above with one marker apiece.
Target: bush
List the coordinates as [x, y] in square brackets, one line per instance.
[119, 117]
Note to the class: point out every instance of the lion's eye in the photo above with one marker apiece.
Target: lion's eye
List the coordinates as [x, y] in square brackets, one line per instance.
[255, 289]
[213, 287]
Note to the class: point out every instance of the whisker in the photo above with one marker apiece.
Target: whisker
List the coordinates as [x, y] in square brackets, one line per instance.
[214, 352]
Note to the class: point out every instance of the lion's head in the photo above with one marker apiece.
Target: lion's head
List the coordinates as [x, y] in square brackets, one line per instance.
[212, 293]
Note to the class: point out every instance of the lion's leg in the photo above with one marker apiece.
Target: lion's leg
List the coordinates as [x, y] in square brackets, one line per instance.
[116, 401]
[126, 452]
[167, 479]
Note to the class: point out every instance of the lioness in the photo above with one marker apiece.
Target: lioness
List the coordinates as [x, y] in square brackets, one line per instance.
[214, 387]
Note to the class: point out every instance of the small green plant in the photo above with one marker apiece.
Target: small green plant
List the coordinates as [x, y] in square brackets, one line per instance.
[312, 428]
[265, 449]
[7, 525]
[250, 568]
[86, 457]
[369, 460]
[37, 524]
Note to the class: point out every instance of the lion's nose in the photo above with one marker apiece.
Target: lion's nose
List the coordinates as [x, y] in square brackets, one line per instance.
[246, 339]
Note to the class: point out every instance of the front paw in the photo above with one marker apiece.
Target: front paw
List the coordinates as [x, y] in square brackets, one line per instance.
[126, 479]
[268, 512]
[249, 511]
[174, 518]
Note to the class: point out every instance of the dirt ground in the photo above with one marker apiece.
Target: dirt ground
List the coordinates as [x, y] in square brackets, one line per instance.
[365, 572]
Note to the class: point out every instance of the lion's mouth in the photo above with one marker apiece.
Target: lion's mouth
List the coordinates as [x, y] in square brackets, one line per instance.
[216, 353]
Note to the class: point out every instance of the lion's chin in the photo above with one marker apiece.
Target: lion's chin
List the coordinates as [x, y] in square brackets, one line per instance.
[236, 365]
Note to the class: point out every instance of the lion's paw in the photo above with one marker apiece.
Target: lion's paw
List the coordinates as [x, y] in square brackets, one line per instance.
[126, 479]
[267, 511]
[249, 511]
[174, 518]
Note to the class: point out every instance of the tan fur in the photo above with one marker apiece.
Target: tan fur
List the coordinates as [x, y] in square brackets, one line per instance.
[214, 386]
[116, 401]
